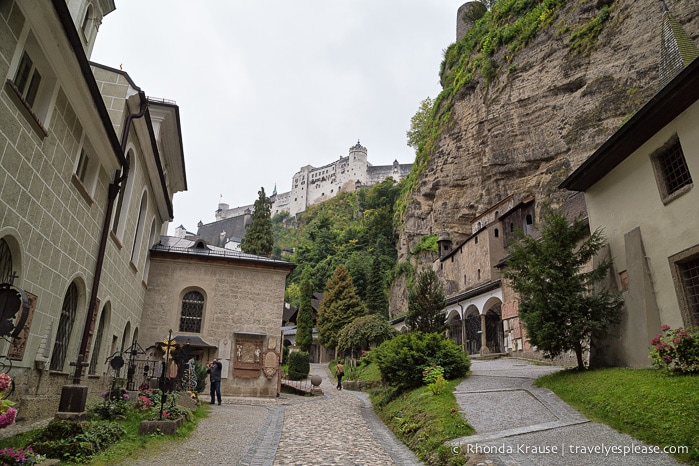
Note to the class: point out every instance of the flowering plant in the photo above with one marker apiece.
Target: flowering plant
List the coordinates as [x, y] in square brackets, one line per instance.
[13, 456]
[7, 412]
[676, 350]
[145, 402]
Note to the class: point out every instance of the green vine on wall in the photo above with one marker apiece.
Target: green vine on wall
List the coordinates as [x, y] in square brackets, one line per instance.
[503, 31]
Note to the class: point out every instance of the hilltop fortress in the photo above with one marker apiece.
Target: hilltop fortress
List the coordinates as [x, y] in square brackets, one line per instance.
[309, 186]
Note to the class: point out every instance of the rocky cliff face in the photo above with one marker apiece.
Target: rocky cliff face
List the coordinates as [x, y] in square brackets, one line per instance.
[543, 114]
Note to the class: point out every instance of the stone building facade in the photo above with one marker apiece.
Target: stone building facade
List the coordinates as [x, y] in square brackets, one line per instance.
[227, 303]
[89, 166]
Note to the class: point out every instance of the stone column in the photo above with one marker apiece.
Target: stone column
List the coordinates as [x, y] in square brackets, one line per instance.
[484, 337]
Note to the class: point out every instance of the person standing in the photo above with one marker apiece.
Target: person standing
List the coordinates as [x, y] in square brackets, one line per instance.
[339, 372]
[214, 370]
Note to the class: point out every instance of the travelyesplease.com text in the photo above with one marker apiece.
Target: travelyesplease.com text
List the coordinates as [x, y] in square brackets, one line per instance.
[568, 449]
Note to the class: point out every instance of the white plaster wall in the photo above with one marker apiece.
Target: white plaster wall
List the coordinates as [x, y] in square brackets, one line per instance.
[629, 197]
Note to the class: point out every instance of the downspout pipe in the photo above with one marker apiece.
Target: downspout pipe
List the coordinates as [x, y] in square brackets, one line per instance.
[112, 193]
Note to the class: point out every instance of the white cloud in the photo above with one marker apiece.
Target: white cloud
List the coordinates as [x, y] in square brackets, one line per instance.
[265, 87]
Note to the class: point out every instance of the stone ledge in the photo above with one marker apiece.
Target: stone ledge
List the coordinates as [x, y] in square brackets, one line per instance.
[167, 427]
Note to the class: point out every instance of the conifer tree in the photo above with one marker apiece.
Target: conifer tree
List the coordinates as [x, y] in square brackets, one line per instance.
[304, 318]
[339, 307]
[426, 301]
[376, 299]
[559, 302]
[258, 238]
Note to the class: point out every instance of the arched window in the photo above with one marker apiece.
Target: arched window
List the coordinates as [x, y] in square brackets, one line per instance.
[497, 233]
[529, 219]
[192, 311]
[151, 242]
[124, 197]
[5, 262]
[136, 251]
[65, 328]
[125, 337]
[95, 357]
[86, 21]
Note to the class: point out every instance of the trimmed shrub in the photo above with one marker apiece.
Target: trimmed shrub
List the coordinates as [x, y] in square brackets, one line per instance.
[299, 365]
[402, 359]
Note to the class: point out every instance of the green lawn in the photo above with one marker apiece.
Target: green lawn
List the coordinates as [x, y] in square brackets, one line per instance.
[648, 404]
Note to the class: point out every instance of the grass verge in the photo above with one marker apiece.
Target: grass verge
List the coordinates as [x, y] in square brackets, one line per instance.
[424, 421]
[651, 405]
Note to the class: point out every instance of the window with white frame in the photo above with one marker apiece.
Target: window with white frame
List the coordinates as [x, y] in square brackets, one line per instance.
[27, 79]
[86, 170]
[31, 84]
[671, 170]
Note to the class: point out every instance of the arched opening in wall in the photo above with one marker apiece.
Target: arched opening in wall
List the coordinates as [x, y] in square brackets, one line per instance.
[125, 343]
[95, 357]
[138, 239]
[494, 334]
[454, 328]
[472, 323]
[135, 336]
[192, 312]
[529, 219]
[151, 241]
[496, 232]
[69, 311]
[5, 262]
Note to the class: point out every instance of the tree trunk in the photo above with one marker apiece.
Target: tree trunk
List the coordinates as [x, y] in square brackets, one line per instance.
[579, 356]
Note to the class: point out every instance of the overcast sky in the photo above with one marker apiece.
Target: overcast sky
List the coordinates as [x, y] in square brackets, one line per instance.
[265, 87]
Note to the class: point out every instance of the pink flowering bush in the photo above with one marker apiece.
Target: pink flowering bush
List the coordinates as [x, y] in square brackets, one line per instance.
[676, 350]
[145, 402]
[7, 412]
[14, 456]
[5, 382]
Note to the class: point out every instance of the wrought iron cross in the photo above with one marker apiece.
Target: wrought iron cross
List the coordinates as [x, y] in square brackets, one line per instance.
[79, 364]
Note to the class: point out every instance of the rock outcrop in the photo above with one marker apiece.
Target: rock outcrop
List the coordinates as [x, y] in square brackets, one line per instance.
[542, 114]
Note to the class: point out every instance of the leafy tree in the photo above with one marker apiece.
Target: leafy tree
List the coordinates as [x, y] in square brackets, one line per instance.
[365, 330]
[560, 304]
[339, 307]
[418, 124]
[426, 301]
[292, 294]
[258, 238]
[304, 318]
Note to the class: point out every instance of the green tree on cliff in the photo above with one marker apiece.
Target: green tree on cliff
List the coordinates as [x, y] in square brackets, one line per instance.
[418, 124]
[339, 307]
[258, 238]
[559, 302]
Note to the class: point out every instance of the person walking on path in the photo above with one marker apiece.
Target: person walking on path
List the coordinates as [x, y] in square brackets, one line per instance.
[339, 372]
[214, 370]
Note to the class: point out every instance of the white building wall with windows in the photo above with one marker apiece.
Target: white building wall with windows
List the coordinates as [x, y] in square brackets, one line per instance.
[59, 152]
